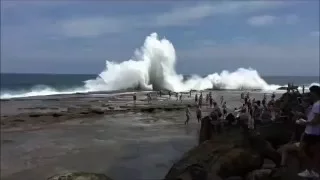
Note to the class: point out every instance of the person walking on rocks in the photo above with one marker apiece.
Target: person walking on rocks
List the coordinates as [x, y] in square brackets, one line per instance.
[199, 114]
[187, 115]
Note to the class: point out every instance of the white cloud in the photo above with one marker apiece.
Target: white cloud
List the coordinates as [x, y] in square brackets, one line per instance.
[262, 20]
[315, 34]
[185, 15]
[265, 20]
[182, 16]
[90, 27]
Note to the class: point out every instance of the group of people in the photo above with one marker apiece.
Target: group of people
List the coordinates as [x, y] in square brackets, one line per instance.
[217, 115]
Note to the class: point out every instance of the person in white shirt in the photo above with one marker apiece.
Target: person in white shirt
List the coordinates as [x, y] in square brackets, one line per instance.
[311, 138]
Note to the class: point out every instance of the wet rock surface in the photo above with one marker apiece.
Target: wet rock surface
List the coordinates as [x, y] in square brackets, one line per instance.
[80, 176]
[76, 131]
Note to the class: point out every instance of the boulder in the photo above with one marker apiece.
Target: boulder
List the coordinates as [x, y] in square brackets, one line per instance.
[198, 162]
[79, 176]
[239, 162]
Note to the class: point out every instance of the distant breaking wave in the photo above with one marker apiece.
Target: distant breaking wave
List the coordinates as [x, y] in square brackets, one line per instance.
[153, 68]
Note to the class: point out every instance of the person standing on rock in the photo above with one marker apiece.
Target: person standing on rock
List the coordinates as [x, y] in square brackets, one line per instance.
[190, 93]
[224, 110]
[196, 98]
[200, 100]
[210, 101]
[187, 115]
[311, 138]
[221, 100]
[149, 98]
[177, 96]
[134, 98]
[273, 96]
[207, 98]
[180, 97]
[199, 114]
[169, 94]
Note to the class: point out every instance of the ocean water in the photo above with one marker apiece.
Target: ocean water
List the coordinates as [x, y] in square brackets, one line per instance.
[152, 67]
[23, 83]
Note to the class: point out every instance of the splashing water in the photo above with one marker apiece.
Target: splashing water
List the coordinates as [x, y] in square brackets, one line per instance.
[153, 67]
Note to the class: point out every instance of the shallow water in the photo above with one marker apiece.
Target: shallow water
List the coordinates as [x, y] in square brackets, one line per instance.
[123, 146]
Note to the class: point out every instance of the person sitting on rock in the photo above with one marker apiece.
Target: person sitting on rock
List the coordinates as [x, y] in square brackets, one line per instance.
[231, 119]
[215, 117]
[199, 114]
[187, 115]
[243, 120]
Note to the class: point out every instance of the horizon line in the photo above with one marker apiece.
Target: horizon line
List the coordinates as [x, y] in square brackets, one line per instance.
[267, 75]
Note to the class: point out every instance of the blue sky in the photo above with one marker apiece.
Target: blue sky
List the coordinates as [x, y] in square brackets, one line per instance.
[274, 37]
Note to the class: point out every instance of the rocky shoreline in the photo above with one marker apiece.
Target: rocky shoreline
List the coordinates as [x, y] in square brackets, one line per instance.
[225, 156]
